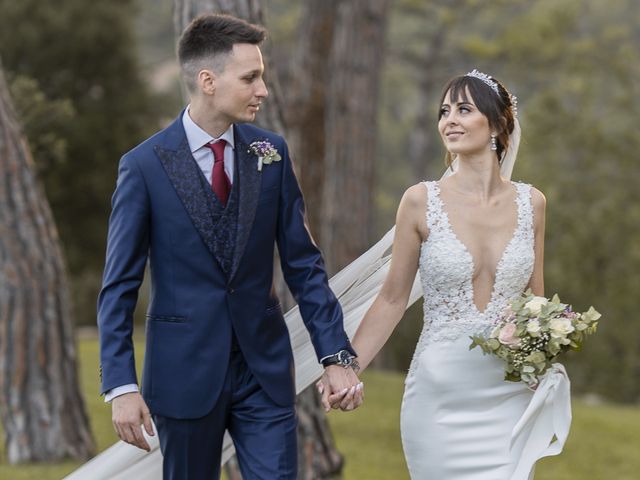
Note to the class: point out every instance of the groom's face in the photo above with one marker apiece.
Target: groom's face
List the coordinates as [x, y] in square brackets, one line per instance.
[239, 87]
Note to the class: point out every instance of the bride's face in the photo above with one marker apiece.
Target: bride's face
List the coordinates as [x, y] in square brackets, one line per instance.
[463, 128]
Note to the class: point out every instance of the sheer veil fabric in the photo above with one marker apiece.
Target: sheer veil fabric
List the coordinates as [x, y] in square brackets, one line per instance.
[356, 287]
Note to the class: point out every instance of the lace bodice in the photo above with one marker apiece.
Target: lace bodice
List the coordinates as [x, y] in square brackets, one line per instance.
[446, 272]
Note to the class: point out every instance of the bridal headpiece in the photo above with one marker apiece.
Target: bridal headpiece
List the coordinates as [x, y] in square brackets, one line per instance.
[491, 83]
[485, 78]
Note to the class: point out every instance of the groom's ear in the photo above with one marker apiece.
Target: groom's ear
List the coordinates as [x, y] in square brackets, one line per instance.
[206, 81]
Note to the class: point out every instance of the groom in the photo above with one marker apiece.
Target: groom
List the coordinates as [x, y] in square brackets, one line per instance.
[206, 204]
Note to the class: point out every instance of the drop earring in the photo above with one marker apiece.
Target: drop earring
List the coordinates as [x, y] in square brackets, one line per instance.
[494, 145]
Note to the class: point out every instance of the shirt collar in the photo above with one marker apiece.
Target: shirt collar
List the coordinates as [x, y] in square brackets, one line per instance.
[197, 137]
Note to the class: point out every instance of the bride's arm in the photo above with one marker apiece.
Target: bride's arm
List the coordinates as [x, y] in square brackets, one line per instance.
[536, 284]
[390, 304]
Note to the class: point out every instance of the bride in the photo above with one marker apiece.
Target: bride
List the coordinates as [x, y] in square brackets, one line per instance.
[477, 241]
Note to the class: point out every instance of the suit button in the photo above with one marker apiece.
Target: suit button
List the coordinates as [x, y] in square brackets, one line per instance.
[231, 290]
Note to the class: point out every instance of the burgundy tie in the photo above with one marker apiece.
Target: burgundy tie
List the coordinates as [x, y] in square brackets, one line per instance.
[219, 180]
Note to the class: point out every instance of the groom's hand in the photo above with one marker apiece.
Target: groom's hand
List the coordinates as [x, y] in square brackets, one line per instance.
[128, 412]
[341, 388]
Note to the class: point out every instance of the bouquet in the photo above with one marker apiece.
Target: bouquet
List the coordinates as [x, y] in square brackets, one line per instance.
[532, 332]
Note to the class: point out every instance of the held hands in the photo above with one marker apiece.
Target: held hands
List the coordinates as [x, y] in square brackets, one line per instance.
[128, 412]
[340, 388]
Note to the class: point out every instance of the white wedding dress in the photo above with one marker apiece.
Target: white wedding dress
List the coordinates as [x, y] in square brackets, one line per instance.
[460, 420]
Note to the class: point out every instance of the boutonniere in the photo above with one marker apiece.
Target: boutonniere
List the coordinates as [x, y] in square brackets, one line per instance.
[265, 152]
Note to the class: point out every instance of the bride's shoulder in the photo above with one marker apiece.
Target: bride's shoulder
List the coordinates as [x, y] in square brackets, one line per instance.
[412, 210]
[415, 196]
[538, 201]
[414, 202]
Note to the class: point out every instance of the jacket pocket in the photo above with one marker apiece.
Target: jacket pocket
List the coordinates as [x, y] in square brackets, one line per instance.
[166, 318]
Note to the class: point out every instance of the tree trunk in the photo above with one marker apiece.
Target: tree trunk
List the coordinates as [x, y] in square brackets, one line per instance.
[317, 455]
[350, 130]
[421, 145]
[318, 458]
[42, 410]
[307, 101]
[434, 39]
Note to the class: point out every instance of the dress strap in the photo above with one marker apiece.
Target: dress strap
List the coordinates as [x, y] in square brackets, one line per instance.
[434, 206]
[525, 210]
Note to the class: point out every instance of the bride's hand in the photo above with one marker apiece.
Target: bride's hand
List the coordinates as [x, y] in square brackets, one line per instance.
[346, 400]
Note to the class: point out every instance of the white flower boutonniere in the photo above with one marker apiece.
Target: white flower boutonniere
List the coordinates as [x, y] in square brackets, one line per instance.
[265, 152]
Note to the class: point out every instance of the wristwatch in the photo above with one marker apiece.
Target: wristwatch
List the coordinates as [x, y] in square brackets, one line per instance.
[343, 358]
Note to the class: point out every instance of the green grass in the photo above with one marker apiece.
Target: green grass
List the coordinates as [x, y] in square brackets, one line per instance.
[603, 445]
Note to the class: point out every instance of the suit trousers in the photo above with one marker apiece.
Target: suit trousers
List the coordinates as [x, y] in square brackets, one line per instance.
[264, 433]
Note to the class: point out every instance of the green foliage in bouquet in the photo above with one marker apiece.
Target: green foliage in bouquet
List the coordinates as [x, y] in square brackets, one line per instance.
[532, 332]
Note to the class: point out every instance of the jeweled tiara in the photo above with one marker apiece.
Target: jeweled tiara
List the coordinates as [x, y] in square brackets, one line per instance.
[494, 86]
[485, 78]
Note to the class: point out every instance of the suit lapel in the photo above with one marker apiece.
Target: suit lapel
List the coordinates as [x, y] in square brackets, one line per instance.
[190, 185]
[250, 180]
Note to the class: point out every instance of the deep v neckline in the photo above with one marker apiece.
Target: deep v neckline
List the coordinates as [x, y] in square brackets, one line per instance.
[498, 267]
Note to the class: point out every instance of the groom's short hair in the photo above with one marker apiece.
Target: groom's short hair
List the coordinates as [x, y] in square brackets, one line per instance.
[209, 39]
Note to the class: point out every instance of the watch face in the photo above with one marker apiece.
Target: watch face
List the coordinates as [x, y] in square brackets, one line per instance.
[344, 357]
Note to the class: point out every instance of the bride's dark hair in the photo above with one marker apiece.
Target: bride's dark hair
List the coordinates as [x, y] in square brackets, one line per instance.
[498, 109]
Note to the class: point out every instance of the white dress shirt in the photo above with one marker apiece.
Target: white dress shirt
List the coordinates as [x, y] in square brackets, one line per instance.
[203, 156]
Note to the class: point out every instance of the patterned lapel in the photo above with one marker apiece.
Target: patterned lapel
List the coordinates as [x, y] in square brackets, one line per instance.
[192, 189]
[250, 180]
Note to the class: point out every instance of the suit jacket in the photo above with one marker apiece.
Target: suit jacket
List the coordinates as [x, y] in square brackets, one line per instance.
[161, 211]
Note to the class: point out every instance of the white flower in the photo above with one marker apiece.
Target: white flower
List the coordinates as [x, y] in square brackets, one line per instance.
[535, 304]
[533, 327]
[560, 327]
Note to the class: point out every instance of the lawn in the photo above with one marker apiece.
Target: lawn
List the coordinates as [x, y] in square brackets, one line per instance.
[603, 445]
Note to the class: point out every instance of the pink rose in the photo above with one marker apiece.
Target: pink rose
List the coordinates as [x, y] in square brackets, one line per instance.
[508, 336]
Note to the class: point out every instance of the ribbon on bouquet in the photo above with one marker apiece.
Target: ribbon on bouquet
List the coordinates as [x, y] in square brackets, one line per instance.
[548, 416]
[356, 287]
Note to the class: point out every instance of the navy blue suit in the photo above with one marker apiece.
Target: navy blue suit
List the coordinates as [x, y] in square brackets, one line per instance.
[211, 276]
